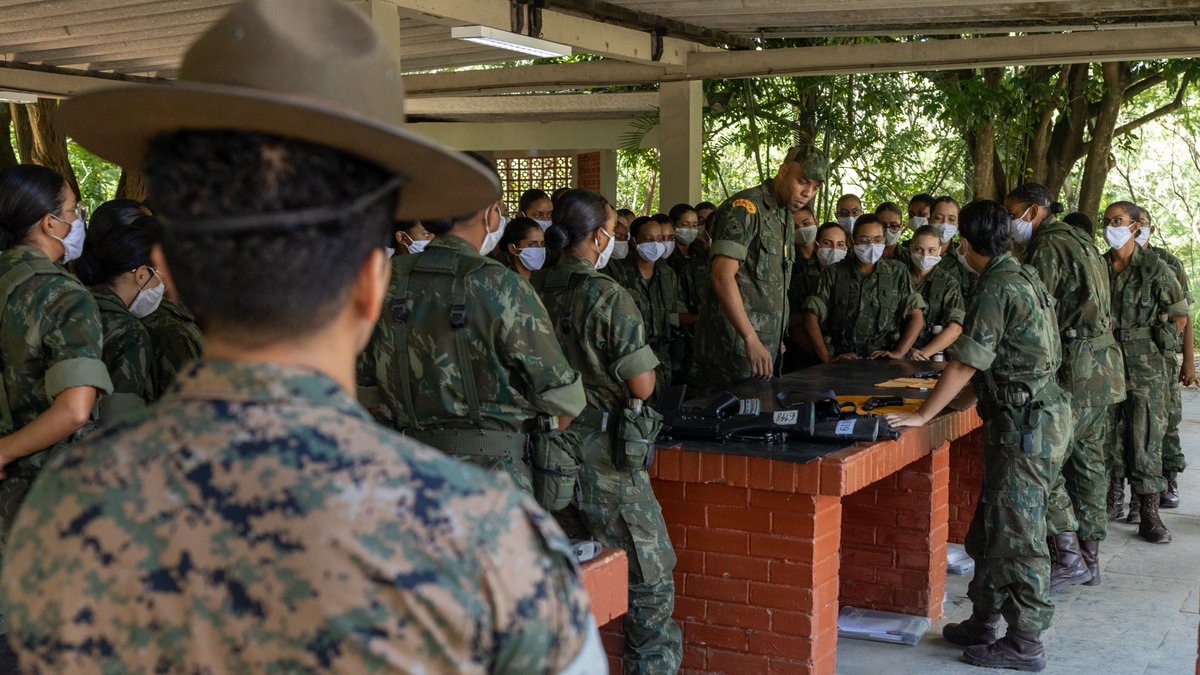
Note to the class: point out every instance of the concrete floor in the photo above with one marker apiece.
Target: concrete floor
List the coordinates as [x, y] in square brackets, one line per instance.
[1142, 619]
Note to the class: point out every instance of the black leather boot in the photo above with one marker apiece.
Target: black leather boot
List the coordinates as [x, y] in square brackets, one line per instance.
[1152, 529]
[1135, 509]
[1068, 568]
[1170, 498]
[1091, 557]
[1116, 498]
[1019, 650]
[980, 629]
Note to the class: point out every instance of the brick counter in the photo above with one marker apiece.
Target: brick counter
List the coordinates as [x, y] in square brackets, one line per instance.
[770, 549]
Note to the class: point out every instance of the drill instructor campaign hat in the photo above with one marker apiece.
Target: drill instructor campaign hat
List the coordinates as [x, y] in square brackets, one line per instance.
[311, 70]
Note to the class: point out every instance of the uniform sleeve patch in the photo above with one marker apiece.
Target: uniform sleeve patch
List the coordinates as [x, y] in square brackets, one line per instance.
[745, 204]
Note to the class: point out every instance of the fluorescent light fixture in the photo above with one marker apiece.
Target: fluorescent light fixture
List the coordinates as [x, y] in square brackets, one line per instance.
[17, 97]
[515, 42]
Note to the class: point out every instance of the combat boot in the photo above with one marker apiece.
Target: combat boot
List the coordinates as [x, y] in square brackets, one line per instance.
[1068, 568]
[1116, 498]
[1019, 650]
[1170, 498]
[1135, 510]
[980, 629]
[1152, 528]
[1091, 557]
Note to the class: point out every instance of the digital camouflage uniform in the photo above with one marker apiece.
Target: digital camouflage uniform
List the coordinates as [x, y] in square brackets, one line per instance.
[1077, 276]
[695, 282]
[943, 298]
[257, 520]
[127, 355]
[657, 299]
[752, 228]
[953, 266]
[1146, 297]
[604, 339]
[1172, 450]
[863, 313]
[1011, 337]
[473, 390]
[175, 341]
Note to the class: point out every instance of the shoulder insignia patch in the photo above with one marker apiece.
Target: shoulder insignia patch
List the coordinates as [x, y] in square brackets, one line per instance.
[745, 204]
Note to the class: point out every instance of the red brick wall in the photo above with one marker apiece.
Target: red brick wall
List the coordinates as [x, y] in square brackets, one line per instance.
[588, 164]
[966, 480]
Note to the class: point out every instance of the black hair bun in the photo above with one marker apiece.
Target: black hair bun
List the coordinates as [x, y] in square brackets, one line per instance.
[1057, 208]
[88, 269]
[557, 237]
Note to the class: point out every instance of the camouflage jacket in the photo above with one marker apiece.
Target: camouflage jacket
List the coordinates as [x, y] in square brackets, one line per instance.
[657, 298]
[752, 228]
[951, 265]
[50, 338]
[518, 367]
[1177, 268]
[693, 275]
[175, 340]
[1010, 330]
[1146, 296]
[943, 298]
[806, 275]
[1077, 277]
[862, 313]
[127, 355]
[257, 521]
[600, 328]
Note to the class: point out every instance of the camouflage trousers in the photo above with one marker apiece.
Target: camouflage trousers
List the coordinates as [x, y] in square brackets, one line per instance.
[1172, 450]
[1135, 445]
[1078, 497]
[1007, 536]
[619, 509]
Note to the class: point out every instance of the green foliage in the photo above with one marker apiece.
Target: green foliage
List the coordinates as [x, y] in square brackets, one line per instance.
[97, 178]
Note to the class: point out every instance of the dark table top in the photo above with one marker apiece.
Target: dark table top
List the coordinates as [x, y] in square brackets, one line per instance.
[844, 378]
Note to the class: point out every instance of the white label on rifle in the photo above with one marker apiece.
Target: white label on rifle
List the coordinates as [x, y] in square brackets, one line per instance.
[845, 428]
[749, 406]
[786, 417]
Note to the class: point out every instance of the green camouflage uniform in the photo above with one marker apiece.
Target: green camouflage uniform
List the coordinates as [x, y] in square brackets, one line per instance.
[863, 313]
[943, 298]
[464, 358]
[1077, 276]
[951, 264]
[695, 283]
[257, 520]
[1172, 450]
[604, 339]
[1146, 296]
[806, 276]
[657, 299]
[175, 340]
[755, 230]
[127, 355]
[1011, 337]
[50, 341]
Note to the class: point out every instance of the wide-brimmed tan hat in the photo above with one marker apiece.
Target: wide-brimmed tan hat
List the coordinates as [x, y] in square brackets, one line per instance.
[312, 70]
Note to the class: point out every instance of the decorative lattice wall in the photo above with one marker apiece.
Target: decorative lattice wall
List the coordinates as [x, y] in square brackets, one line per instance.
[518, 174]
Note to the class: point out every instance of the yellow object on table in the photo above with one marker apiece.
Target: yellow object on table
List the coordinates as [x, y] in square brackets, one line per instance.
[908, 383]
[910, 405]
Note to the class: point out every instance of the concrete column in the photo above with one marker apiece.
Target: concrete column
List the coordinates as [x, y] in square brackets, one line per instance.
[681, 139]
[608, 175]
[386, 18]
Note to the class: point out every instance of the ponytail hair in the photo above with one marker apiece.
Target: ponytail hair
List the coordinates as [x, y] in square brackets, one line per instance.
[577, 214]
[1036, 194]
[27, 193]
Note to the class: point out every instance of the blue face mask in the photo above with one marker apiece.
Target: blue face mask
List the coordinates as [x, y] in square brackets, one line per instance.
[532, 258]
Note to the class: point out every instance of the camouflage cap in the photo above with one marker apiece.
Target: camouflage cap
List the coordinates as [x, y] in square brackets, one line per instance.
[815, 163]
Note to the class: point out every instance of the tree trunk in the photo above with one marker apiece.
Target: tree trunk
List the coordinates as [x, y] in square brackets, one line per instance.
[1066, 139]
[648, 207]
[1098, 163]
[7, 156]
[983, 148]
[49, 146]
[1038, 150]
[132, 186]
[22, 131]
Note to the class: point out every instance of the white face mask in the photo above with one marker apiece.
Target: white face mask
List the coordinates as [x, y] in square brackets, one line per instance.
[1117, 237]
[417, 245]
[946, 232]
[544, 224]
[1143, 236]
[805, 236]
[926, 262]
[962, 258]
[847, 223]
[607, 252]
[620, 250]
[917, 222]
[830, 256]
[1021, 229]
[650, 251]
[686, 235]
[891, 238]
[147, 300]
[391, 252]
[668, 249]
[532, 258]
[73, 244]
[493, 238]
[868, 254]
